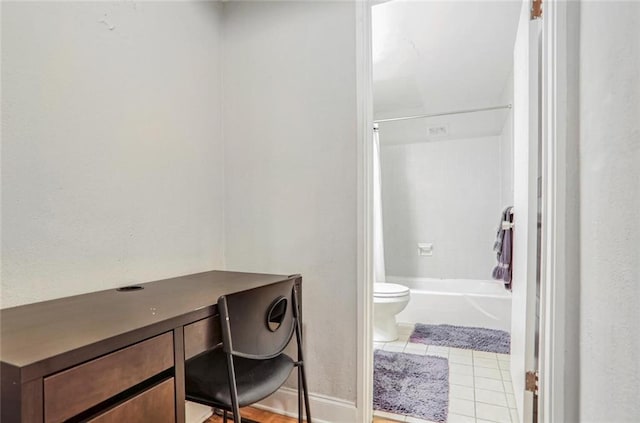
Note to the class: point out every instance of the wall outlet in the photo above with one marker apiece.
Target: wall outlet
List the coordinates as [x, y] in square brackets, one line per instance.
[425, 249]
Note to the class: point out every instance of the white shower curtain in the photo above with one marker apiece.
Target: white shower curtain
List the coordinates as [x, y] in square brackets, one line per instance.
[378, 238]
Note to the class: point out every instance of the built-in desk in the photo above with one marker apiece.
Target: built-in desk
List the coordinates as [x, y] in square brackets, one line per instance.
[112, 356]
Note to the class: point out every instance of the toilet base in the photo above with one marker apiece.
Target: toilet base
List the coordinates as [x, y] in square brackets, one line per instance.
[385, 328]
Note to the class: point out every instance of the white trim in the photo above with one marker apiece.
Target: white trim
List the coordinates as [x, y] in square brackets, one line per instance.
[324, 409]
[197, 413]
[554, 212]
[364, 316]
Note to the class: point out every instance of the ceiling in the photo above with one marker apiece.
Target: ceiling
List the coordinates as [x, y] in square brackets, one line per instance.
[439, 56]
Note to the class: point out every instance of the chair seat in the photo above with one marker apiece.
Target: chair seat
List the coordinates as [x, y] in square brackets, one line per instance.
[207, 379]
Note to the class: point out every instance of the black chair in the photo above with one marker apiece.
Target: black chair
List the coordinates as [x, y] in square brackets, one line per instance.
[249, 365]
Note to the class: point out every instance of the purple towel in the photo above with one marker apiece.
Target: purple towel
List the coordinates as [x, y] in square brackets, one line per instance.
[503, 248]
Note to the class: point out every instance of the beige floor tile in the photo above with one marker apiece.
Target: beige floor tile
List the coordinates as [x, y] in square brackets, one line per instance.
[411, 348]
[458, 379]
[493, 413]
[437, 349]
[504, 365]
[491, 397]
[462, 392]
[460, 351]
[484, 354]
[508, 387]
[458, 418]
[460, 359]
[490, 384]
[387, 415]
[485, 362]
[462, 369]
[504, 357]
[398, 342]
[487, 372]
[462, 407]
[480, 389]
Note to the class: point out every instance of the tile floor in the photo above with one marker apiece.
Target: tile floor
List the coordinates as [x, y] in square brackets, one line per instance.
[480, 389]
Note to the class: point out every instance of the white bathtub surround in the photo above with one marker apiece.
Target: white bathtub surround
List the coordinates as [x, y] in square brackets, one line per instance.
[445, 193]
[389, 299]
[477, 303]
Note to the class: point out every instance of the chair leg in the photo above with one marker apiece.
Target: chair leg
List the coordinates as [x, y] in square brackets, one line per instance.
[305, 391]
[242, 419]
[300, 410]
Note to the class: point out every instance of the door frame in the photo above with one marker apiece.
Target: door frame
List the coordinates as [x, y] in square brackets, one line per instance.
[557, 210]
[364, 291]
[559, 319]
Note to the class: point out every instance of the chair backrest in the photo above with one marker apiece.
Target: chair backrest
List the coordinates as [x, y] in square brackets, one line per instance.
[259, 323]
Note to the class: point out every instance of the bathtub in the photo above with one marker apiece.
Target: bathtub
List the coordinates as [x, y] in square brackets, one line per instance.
[460, 302]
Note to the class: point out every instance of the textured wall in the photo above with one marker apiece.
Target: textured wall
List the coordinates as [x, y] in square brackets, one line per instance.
[609, 207]
[111, 145]
[290, 163]
[446, 193]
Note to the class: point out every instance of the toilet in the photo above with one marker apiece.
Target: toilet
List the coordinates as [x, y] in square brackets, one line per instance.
[389, 299]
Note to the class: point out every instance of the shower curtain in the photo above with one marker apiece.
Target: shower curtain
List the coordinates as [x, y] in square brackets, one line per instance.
[378, 239]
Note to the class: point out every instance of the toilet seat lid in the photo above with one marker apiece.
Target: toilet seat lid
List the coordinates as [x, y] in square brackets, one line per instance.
[389, 290]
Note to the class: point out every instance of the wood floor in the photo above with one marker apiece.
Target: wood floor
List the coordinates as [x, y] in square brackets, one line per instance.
[267, 417]
[257, 415]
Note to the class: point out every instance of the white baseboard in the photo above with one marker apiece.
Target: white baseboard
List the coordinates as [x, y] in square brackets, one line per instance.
[324, 409]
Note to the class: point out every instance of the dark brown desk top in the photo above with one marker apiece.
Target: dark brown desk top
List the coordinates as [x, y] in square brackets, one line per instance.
[36, 332]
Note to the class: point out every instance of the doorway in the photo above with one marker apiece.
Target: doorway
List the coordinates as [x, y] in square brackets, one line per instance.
[527, 224]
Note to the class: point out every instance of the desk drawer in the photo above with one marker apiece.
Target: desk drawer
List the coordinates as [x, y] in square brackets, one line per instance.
[201, 336]
[75, 390]
[155, 405]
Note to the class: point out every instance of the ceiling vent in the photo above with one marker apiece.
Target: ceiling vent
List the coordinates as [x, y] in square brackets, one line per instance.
[438, 131]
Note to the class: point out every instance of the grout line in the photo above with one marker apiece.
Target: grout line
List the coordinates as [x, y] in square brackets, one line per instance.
[473, 371]
[505, 395]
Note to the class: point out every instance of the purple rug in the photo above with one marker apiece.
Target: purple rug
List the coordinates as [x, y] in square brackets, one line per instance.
[479, 339]
[411, 385]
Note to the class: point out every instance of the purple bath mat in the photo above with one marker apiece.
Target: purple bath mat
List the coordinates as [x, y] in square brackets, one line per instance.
[479, 339]
[411, 385]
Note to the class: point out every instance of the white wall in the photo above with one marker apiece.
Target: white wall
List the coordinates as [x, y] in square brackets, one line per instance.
[290, 163]
[447, 193]
[609, 207]
[567, 379]
[111, 145]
